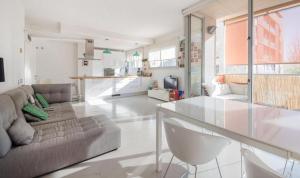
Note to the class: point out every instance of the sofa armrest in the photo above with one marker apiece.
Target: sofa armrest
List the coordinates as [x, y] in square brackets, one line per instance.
[54, 93]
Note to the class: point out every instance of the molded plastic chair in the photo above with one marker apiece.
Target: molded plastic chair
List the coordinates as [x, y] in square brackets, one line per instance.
[256, 168]
[192, 147]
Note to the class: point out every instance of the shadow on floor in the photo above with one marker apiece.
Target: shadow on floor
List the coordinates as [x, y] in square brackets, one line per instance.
[121, 167]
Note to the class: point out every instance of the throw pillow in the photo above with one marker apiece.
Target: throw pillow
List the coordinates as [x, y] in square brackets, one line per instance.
[221, 89]
[209, 88]
[20, 132]
[35, 111]
[220, 79]
[31, 118]
[42, 100]
[31, 99]
[38, 104]
[5, 142]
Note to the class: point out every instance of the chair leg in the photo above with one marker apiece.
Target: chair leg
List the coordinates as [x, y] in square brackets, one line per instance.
[292, 168]
[218, 167]
[242, 172]
[168, 166]
[196, 169]
[286, 161]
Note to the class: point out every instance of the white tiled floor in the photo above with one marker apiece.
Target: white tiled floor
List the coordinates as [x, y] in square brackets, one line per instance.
[136, 156]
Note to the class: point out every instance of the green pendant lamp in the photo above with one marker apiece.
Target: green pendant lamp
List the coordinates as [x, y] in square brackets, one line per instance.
[106, 51]
[136, 54]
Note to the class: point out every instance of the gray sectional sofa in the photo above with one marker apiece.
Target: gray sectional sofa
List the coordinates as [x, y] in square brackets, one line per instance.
[60, 141]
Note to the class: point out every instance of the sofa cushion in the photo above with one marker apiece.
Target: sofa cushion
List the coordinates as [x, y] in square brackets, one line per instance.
[7, 111]
[28, 90]
[42, 100]
[31, 99]
[238, 88]
[60, 144]
[20, 132]
[221, 89]
[61, 115]
[37, 103]
[20, 99]
[58, 112]
[35, 111]
[62, 107]
[31, 118]
[54, 93]
[209, 88]
[5, 142]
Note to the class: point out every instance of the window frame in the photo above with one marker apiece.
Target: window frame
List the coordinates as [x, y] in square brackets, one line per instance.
[160, 57]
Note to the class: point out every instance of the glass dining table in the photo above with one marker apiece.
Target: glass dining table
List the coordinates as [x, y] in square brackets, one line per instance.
[271, 129]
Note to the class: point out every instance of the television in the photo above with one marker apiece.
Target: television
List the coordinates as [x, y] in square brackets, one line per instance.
[2, 74]
[171, 83]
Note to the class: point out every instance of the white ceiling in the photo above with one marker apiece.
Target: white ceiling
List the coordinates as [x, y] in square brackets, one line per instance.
[223, 9]
[135, 18]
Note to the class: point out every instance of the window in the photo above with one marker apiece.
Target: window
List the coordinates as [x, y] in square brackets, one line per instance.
[276, 44]
[163, 58]
[154, 59]
[134, 60]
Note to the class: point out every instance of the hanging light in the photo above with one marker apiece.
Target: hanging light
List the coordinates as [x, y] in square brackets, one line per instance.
[136, 54]
[106, 51]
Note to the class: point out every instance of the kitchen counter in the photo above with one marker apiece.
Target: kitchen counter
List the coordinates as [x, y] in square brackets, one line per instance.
[105, 77]
[92, 88]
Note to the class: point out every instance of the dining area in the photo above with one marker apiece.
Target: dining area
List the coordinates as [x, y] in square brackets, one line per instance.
[256, 130]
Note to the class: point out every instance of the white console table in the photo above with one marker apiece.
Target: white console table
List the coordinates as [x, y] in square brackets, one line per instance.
[160, 94]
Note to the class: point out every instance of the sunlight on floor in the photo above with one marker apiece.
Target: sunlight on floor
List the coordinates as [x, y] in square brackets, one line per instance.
[136, 156]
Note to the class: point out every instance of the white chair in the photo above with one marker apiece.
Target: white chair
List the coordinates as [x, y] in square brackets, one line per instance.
[192, 147]
[256, 168]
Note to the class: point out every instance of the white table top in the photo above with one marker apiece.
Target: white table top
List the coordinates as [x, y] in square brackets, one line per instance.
[269, 126]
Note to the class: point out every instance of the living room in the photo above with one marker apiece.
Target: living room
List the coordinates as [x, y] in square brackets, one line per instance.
[149, 88]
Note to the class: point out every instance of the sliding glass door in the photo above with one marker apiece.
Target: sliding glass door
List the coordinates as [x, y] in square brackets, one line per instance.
[276, 53]
[217, 50]
[194, 55]
[254, 46]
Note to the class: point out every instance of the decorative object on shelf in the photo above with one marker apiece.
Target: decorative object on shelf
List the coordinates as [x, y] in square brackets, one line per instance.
[181, 94]
[146, 68]
[196, 52]
[139, 72]
[155, 84]
[180, 59]
[174, 95]
[106, 51]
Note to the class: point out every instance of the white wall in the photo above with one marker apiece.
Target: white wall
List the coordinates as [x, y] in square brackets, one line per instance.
[30, 63]
[95, 68]
[159, 73]
[210, 47]
[56, 62]
[12, 20]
